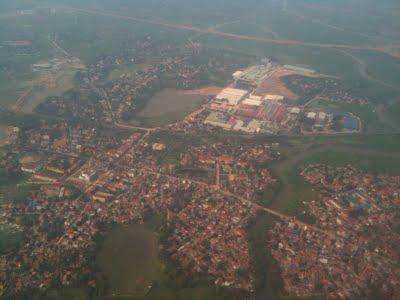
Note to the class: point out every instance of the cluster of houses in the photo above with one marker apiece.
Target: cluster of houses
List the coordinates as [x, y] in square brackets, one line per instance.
[353, 254]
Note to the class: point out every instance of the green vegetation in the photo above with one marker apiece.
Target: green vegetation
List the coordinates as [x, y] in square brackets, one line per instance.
[52, 294]
[63, 83]
[297, 191]
[372, 163]
[269, 285]
[130, 255]
[393, 111]
[19, 120]
[129, 260]
[381, 66]
[366, 112]
[10, 239]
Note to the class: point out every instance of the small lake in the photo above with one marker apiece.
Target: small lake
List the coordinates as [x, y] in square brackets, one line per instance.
[169, 106]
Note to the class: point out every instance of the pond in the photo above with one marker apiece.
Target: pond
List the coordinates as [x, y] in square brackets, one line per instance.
[169, 106]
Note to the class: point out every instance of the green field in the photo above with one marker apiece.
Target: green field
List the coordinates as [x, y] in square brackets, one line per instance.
[371, 153]
[367, 113]
[63, 83]
[129, 260]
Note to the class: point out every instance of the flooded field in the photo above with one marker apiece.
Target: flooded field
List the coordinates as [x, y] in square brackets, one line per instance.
[63, 83]
[168, 106]
[129, 260]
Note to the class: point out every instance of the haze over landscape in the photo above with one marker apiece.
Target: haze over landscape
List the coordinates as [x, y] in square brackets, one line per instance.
[181, 149]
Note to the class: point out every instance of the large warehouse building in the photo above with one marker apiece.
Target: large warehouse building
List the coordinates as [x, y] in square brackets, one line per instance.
[233, 96]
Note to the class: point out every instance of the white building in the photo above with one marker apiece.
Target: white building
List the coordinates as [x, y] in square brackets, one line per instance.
[273, 98]
[311, 115]
[252, 102]
[237, 75]
[295, 110]
[233, 96]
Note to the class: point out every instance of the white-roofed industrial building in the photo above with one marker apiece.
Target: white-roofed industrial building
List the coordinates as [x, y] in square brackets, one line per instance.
[295, 110]
[273, 98]
[255, 97]
[237, 74]
[311, 115]
[233, 96]
[252, 102]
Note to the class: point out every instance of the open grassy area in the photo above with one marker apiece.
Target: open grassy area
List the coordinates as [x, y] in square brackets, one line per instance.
[378, 143]
[129, 260]
[371, 153]
[63, 83]
[369, 163]
[367, 113]
[394, 111]
[325, 61]
[381, 66]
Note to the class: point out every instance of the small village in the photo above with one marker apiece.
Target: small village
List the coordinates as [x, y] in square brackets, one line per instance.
[355, 250]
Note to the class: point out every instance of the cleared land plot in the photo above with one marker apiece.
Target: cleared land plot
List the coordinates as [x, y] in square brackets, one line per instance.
[274, 85]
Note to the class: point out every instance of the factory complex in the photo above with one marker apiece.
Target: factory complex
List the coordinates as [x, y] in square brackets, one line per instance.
[242, 107]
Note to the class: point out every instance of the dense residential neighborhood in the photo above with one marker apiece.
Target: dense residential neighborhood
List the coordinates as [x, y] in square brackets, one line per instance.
[88, 160]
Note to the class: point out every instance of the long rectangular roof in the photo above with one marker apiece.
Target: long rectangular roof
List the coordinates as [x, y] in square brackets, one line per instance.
[233, 96]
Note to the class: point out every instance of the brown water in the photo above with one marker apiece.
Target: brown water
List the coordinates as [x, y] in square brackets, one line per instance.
[168, 106]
